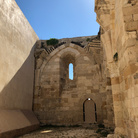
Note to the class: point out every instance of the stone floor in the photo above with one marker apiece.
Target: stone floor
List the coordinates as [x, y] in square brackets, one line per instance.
[63, 132]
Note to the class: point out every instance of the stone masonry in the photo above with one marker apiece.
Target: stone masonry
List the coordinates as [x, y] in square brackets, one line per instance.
[119, 38]
[105, 69]
[61, 101]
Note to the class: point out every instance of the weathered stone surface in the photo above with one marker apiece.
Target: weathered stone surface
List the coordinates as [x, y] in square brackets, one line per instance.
[97, 76]
[122, 38]
[129, 10]
[65, 102]
[131, 26]
[135, 16]
[128, 18]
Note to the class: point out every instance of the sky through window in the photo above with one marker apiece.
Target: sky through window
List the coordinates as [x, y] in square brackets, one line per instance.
[71, 71]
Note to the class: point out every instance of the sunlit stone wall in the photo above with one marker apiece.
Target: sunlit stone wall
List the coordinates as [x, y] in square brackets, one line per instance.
[119, 38]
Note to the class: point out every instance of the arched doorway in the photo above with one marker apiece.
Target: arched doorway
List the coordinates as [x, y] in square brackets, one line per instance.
[89, 111]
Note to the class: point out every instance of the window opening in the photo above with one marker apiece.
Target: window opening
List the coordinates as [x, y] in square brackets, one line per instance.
[71, 71]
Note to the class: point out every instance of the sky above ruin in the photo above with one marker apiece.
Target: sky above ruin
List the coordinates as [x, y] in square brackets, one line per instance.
[60, 18]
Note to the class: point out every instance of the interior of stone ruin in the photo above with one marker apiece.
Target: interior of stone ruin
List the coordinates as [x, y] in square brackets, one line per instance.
[35, 88]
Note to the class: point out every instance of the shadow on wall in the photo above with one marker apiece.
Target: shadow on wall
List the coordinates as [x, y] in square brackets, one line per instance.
[18, 93]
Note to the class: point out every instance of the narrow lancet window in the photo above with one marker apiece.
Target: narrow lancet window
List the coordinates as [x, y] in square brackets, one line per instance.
[71, 71]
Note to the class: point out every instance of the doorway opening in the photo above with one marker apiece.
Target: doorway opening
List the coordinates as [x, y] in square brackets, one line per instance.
[89, 111]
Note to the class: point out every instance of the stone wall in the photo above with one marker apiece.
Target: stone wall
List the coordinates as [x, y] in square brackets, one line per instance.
[17, 39]
[119, 37]
[61, 101]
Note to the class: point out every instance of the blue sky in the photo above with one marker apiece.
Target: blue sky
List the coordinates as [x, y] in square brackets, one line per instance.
[60, 18]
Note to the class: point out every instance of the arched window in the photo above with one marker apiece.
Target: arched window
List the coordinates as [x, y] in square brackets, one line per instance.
[71, 71]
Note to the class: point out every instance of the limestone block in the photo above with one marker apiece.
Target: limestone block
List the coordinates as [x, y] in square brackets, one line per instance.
[131, 26]
[132, 54]
[54, 52]
[74, 95]
[117, 97]
[116, 88]
[131, 35]
[89, 83]
[57, 60]
[37, 73]
[61, 97]
[69, 49]
[129, 104]
[130, 42]
[130, 70]
[71, 45]
[61, 47]
[128, 18]
[129, 10]
[122, 86]
[122, 65]
[129, 94]
[65, 100]
[135, 16]
[86, 58]
[136, 101]
[115, 80]
[119, 121]
[39, 63]
[136, 90]
[117, 103]
[136, 114]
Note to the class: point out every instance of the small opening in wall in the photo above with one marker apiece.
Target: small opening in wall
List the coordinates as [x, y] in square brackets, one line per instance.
[71, 71]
